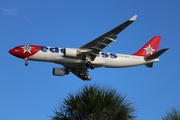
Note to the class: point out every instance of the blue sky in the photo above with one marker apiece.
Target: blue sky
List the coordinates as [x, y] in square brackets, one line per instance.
[32, 93]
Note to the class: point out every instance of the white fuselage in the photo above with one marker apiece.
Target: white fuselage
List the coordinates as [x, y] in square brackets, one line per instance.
[104, 59]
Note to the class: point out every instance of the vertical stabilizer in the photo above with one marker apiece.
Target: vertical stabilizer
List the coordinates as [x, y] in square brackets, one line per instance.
[150, 47]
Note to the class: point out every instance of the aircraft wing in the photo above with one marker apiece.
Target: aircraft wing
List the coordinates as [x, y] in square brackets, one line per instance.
[82, 73]
[94, 47]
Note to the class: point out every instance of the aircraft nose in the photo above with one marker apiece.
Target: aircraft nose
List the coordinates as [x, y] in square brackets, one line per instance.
[11, 51]
[14, 51]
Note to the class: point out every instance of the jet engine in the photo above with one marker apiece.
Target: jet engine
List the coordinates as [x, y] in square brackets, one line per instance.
[60, 71]
[71, 52]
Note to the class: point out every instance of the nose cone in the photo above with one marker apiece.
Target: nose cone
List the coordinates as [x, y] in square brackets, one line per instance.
[11, 51]
[24, 51]
[15, 52]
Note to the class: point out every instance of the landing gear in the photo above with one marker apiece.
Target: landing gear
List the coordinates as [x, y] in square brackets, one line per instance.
[80, 75]
[90, 65]
[87, 78]
[84, 77]
[26, 62]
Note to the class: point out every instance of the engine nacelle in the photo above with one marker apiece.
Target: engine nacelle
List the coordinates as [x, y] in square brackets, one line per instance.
[71, 52]
[60, 71]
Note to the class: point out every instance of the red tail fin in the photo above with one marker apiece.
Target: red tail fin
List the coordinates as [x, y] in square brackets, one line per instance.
[150, 47]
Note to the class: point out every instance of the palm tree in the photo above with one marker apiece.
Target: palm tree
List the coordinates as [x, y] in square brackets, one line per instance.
[174, 114]
[95, 103]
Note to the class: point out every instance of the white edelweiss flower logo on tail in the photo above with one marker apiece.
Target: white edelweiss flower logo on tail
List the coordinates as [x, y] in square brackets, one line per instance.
[27, 48]
[149, 50]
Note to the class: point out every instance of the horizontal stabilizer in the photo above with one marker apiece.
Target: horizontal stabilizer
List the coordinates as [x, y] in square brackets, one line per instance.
[150, 65]
[156, 55]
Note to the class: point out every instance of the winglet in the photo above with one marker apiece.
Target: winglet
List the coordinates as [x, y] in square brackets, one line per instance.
[133, 18]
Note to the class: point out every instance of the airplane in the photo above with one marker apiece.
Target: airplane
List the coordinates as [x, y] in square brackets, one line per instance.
[91, 55]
